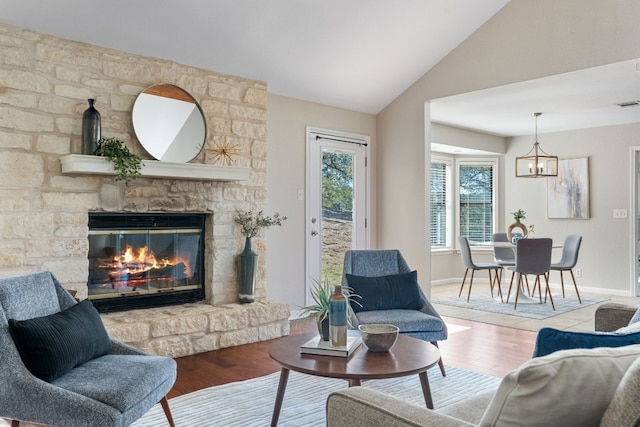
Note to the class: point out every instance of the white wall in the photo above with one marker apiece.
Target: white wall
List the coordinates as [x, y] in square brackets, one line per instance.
[287, 121]
[524, 40]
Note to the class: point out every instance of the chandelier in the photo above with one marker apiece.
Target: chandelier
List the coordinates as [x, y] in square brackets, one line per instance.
[536, 163]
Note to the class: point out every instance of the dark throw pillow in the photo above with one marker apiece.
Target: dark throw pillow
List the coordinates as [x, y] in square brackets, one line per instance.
[396, 291]
[550, 340]
[51, 346]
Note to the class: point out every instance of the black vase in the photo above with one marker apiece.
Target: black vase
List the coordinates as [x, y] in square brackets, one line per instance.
[323, 329]
[90, 129]
[247, 272]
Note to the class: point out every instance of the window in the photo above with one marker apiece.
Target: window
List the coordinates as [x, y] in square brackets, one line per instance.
[476, 199]
[466, 205]
[441, 202]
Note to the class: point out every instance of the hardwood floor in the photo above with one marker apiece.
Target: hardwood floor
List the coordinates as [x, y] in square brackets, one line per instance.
[476, 346]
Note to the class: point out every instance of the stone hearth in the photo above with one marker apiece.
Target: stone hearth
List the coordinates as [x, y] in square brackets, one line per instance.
[194, 328]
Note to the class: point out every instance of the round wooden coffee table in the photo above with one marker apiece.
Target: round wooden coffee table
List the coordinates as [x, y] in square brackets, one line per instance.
[408, 356]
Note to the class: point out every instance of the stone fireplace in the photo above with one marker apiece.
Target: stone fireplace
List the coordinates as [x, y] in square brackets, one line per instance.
[145, 260]
[45, 82]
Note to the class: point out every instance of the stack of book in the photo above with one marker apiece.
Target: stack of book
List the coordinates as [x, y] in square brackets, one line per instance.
[320, 347]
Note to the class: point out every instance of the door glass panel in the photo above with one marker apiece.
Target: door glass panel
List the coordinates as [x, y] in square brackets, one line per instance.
[337, 212]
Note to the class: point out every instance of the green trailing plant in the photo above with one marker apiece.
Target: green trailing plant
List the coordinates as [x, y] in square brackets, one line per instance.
[126, 164]
[321, 294]
[252, 223]
[519, 214]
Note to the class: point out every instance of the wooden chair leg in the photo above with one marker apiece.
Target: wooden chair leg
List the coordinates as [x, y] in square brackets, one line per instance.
[575, 285]
[470, 285]
[548, 290]
[498, 280]
[518, 290]
[463, 280]
[15, 423]
[440, 362]
[513, 274]
[562, 282]
[167, 412]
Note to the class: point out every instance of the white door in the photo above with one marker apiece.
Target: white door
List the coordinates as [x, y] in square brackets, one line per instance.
[337, 208]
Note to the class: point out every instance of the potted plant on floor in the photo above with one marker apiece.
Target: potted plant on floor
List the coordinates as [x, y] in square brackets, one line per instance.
[251, 223]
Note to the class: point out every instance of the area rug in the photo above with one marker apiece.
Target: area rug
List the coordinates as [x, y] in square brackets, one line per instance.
[484, 302]
[250, 402]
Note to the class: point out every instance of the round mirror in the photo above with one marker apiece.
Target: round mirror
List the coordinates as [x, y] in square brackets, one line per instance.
[169, 123]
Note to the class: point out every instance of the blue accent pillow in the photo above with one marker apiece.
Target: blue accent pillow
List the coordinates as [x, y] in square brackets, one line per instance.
[550, 340]
[52, 345]
[396, 291]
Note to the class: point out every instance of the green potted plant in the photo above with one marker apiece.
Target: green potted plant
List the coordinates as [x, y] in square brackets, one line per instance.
[321, 294]
[519, 214]
[126, 164]
[251, 224]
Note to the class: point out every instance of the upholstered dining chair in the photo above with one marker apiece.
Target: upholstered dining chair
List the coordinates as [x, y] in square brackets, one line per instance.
[533, 256]
[568, 260]
[59, 367]
[467, 260]
[504, 257]
[389, 293]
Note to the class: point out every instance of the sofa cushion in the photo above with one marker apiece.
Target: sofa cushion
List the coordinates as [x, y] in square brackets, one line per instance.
[569, 387]
[550, 340]
[624, 409]
[406, 320]
[395, 291]
[50, 346]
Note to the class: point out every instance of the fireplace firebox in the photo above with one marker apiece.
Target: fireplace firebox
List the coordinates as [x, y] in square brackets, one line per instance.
[145, 260]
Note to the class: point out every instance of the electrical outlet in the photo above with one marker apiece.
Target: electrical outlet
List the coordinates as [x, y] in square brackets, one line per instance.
[578, 272]
[619, 213]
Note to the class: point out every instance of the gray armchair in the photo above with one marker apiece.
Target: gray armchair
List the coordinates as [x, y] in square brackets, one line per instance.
[424, 323]
[114, 389]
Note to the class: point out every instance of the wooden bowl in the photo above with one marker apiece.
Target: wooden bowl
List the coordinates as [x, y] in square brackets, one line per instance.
[379, 337]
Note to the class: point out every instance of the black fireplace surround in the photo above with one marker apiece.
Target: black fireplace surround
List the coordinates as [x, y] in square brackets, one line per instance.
[145, 260]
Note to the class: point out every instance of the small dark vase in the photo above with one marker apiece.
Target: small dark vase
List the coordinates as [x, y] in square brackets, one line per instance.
[323, 329]
[90, 129]
[247, 261]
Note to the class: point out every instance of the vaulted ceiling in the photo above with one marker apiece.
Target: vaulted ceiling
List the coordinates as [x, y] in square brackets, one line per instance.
[354, 54]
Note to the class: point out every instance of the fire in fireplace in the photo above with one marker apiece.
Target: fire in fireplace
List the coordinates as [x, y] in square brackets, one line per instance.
[145, 260]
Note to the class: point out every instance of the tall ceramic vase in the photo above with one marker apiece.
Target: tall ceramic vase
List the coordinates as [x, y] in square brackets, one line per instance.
[90, 129]
[247, 261]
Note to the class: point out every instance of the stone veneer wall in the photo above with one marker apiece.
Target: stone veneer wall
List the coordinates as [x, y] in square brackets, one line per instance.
[45, 82]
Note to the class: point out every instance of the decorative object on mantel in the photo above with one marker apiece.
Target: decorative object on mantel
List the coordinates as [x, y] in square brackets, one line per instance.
[517, 215]
[251, 223]
[90, 129]
[536, 163]
[223, 152]
[126, 164]
[169, 123]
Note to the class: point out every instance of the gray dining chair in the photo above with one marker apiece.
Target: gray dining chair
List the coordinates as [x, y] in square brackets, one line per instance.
[533, 256]
[505, 257]
[467, 260]
[569, 260]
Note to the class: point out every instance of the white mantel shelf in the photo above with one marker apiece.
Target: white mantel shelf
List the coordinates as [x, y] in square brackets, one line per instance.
[96, 165]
